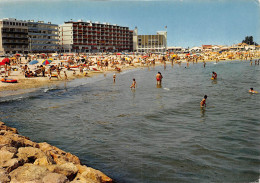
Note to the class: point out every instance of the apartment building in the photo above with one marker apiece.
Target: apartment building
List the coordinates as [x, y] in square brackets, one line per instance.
[150, 43]
[13, 36]
[83, 36]
[43, 37]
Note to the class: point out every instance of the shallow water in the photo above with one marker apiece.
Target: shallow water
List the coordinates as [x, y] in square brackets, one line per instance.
[152, 134]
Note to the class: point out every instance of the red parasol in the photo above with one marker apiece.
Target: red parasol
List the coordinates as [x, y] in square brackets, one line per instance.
[6, 60]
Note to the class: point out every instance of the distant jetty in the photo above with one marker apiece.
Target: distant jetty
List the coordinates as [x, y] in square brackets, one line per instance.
[22, 160]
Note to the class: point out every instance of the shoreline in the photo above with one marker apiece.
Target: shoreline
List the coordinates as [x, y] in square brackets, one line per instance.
[27, 85]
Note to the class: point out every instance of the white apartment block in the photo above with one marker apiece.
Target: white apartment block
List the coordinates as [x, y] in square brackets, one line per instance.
[150, 43]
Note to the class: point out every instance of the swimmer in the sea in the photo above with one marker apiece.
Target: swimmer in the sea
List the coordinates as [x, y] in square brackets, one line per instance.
[252, 90]
[214, 75]
[133, 84]
[203, 101]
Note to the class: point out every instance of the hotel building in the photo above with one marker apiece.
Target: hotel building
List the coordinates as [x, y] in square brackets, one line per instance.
[150, 43]
[13, 36]
[83, 36]
[43, 37]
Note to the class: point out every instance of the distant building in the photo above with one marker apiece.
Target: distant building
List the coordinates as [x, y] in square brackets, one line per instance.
[175, 49]
[43, 37]
[13, 36]
[83, 36]
[150, 43]
[207, 47]
[196, 49]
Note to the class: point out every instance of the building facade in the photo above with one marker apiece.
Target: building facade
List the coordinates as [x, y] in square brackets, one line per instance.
[13, 36]
[43, 37]
[83, 36]
[150, 43]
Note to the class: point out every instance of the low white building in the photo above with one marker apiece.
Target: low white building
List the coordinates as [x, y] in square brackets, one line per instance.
[150, 43]
[196, 49]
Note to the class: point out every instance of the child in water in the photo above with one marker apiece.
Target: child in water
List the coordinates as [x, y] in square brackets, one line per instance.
[133, 84]
[203, 101]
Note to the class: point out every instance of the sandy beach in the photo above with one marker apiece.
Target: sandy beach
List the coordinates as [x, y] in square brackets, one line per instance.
[94, 65]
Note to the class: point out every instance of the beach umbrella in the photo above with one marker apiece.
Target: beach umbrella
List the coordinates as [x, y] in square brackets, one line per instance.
[46, 62]
[18, 55]
[50, 59]
[118, 54]
[6, 60]
[33, 62]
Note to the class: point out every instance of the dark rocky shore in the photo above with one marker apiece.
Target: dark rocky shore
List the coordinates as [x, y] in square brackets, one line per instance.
[22, 160]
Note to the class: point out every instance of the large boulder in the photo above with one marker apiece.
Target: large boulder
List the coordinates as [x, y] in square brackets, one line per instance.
[80, 179]
[15, 140]
[31, 154]
[4, 176]
[9, 148]
[95, 175]
[67, 169]
[12, 164]
[58, 155]
[55, 178]
[5, 156]
[29, 173]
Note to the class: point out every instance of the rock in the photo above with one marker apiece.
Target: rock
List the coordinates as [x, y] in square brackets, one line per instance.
[30, 154]
[9, 148]
[4, 177]
[59, 156]
[96, 175]
[44, 161]
[6, 128]
[55, 178]
[80, 179]
[12, 164]
[29, 173]
[15, 140]
[5, 156]
[67, 169]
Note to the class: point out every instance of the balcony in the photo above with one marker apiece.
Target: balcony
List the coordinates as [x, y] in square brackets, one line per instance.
[20, 38]
[5, 43]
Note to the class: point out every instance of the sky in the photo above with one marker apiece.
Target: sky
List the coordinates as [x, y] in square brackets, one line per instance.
[189, 22]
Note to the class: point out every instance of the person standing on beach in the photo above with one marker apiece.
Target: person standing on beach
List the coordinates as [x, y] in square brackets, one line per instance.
[133, 84]
[159, 78]
[204, 64]
[58, 73]
[203, 101]
[43, 70]
[65, 75]
[114, 78]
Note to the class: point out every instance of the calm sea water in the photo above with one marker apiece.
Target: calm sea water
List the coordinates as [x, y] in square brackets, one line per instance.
[152, 134]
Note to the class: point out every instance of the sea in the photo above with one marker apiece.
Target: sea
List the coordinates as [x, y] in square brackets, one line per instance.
[151, 134]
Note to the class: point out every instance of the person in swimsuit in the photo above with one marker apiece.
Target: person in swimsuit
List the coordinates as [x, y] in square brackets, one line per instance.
[203, 101]
[252, 91]
[159, 78]
[214, 75]
[133, 84]
[114, 78]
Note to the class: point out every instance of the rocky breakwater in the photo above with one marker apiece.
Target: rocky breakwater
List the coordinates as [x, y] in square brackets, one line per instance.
[24, 161]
